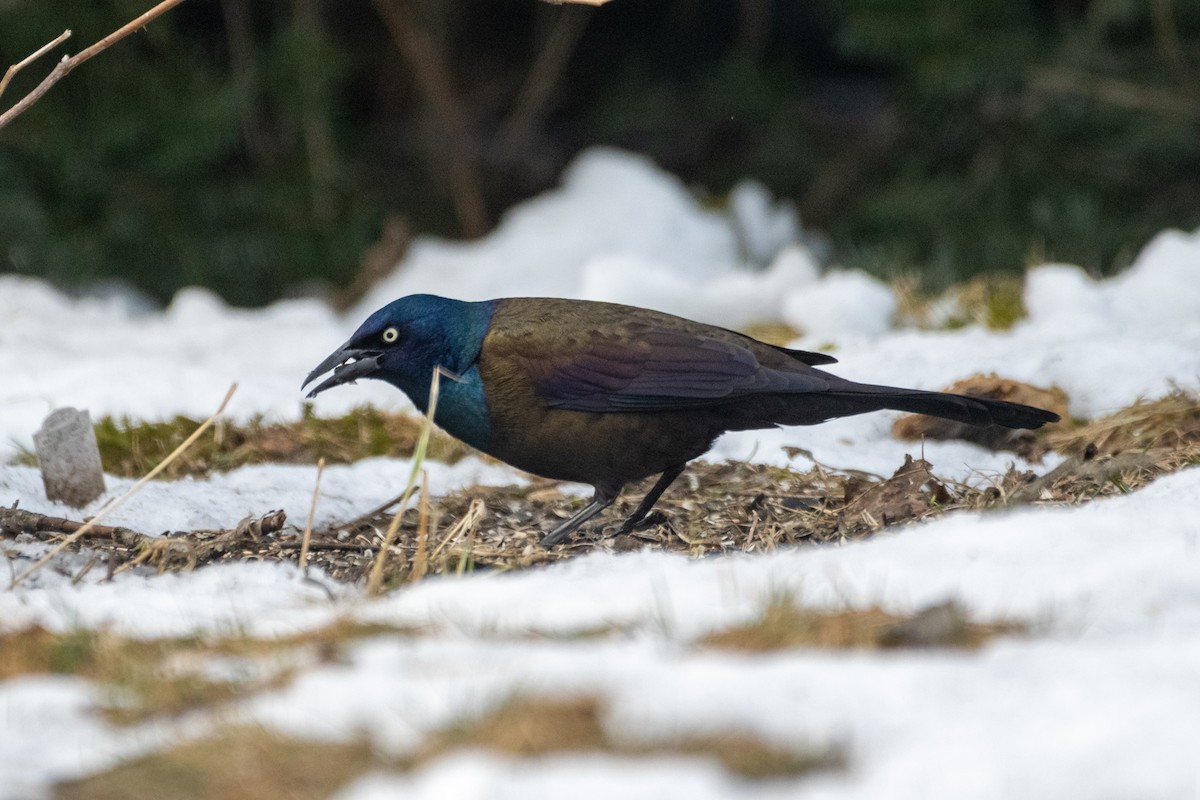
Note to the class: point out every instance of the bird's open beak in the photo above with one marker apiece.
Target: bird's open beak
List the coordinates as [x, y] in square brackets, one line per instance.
[348, 364]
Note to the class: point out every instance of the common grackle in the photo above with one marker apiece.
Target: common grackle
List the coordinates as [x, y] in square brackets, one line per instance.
[606, 394]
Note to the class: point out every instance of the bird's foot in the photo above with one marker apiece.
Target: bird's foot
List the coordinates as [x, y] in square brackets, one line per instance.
[641, 523]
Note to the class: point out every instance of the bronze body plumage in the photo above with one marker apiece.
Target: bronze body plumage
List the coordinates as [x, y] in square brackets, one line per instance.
[606, 394]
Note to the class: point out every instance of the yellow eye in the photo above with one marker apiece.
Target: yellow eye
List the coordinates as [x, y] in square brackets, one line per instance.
[390, 335]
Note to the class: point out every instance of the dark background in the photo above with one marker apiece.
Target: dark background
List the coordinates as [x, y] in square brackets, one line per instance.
[258, 147]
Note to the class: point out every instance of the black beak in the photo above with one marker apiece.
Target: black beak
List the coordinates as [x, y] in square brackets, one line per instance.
[348, 365]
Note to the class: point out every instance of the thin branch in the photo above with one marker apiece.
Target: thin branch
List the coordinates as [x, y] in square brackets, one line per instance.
[18, 520]
[29, 59]
[69, 63]
[113, 506]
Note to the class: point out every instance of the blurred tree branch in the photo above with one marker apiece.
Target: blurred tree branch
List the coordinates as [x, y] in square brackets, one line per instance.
[1115, 92]
[69, 63]
[243, 58]
[1166, 36]
[320, 151]
[435, 82]
[542, 80]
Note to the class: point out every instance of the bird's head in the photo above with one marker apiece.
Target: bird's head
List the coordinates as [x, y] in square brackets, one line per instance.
[404, 341]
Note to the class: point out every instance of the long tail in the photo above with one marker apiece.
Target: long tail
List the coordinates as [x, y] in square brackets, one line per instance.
[961, 408]
[846, 398]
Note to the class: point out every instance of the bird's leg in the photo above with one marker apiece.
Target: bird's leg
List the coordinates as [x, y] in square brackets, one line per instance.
[602, 499]
[639, 513]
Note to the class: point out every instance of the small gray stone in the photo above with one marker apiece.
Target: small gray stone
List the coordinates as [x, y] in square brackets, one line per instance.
[69, 457]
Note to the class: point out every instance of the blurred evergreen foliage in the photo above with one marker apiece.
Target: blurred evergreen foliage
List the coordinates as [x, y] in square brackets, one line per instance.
[254, 147]
[156, 164]
[1064, 130]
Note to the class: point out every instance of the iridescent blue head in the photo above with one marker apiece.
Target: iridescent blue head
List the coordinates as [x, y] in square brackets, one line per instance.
[405, 341]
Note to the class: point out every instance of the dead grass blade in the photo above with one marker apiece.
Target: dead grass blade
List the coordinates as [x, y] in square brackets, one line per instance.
[312, 512]
[375, 582]
[531, 727]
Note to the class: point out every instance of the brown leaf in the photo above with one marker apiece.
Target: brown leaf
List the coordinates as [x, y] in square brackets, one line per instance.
[911, 493]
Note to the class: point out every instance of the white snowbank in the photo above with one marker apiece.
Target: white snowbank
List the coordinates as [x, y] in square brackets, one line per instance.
[618, 229]
[623, 231]
[1158, 294]
[1100, 699]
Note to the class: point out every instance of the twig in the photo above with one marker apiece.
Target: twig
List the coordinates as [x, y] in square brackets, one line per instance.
[18, 520]
[69, 63]
[113, 506]
[312, 512]
[29, 59]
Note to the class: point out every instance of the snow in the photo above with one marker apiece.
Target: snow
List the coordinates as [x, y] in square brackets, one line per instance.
[1099, 699]
[223, 499]
[844, 303]
[48, 722]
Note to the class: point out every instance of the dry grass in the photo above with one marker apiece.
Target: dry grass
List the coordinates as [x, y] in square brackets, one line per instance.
[265, 765]
[784, 625]
[713, 508]
[237, 763]
[148, 678]
[131, 449]
[1168, 423]
[135, 672]
[529, 727]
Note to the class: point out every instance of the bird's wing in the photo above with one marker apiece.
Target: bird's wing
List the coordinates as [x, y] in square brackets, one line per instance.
[651, 368]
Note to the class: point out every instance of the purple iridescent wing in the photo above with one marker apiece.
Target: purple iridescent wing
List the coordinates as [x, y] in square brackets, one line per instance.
[648, 368]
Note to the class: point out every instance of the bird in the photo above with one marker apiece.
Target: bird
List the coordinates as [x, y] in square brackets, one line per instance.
[606, 394]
